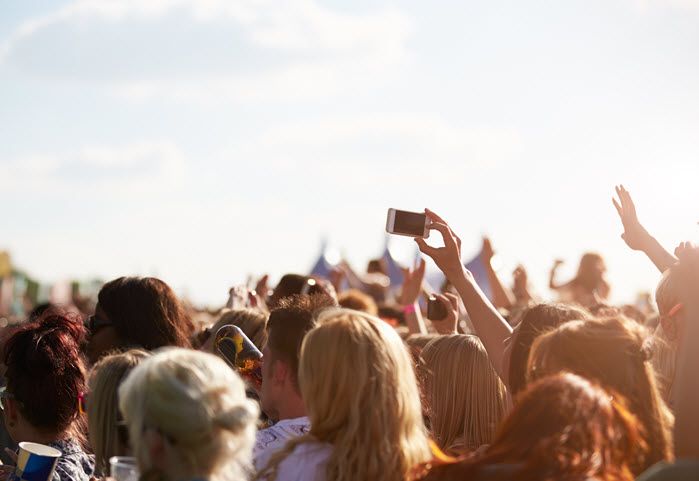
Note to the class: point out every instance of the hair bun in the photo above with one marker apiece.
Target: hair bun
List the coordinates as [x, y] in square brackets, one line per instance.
[236, 418]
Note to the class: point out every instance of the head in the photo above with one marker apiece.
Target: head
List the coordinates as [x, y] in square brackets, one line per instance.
[280, 396]
[188, 417]
[45, 376]
[295, 284]
[357, 300]
[561, 427]
[535, 321]
[137, 312]
[615, 353]
[361, 394]
[591, 270]
[107, 433]
[252, 322]
[466, 399]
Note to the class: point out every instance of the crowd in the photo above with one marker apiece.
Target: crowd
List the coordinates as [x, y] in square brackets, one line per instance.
[356, 383]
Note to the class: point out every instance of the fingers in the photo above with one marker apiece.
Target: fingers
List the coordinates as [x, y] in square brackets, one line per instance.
[618, 207]
[434, 217]
[425, 248]
[420, 269]
[449, 238]
[453, 300]
[442, 298]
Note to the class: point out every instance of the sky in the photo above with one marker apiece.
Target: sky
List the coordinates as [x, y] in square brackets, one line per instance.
[203, 141]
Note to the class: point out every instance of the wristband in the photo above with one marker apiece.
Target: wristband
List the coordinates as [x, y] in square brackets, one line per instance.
[409, 309]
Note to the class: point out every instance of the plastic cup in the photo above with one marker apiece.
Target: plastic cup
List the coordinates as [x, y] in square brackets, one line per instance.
[123, 468]
[36, 462]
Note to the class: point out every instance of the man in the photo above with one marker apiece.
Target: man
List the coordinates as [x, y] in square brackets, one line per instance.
[280, 397]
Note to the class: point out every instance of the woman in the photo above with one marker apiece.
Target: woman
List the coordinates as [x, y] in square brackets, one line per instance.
[106, 429]
[465, 398]
[362, 400]
[140, 312]
[588, 287]
[188, 418]
[616, 354]
[45, 377]
[562, 427]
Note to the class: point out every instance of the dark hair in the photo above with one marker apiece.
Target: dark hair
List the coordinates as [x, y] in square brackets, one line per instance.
[561, 427]
[45, 370]
[295, 284]
[145, 312]
[288, 325]
[535, 321]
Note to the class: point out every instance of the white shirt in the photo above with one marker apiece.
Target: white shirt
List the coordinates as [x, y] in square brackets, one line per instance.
[272, 439]
[306, 463]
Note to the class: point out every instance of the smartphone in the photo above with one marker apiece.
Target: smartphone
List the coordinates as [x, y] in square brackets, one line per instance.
[435, 309]
[411, 224]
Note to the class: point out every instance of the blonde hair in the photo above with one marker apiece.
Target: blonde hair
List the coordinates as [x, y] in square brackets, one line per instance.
[198, 402]
[465, 397]
[361, 395]
[103, 405]
[616, 353]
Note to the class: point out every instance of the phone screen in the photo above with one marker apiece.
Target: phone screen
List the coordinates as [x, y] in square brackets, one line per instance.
[410, 223]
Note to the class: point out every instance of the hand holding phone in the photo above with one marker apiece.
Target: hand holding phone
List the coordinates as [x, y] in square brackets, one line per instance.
[410, 224]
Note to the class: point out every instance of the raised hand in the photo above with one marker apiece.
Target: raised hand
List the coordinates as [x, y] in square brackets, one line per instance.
[635, 235]
[412, 284]
[448, 325]
[448, 257]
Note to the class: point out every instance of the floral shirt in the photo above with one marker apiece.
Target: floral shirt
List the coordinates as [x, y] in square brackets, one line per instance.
[75, 464]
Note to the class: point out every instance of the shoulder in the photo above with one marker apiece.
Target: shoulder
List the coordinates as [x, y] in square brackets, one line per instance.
[305, 463]
[272, 439]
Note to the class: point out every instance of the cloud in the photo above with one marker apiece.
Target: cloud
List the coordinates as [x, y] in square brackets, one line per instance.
[133, 169]
[215, 50]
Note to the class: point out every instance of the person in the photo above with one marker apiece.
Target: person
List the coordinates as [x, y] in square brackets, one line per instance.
[562, 427]
[357, 300]
[188, 417]
[294, 284]
[280, 396]
[588, 287]
[536, 320]
[45, 376]
[466, 399]
[107, 433]
[140, 312]
[362, 399]
[253, 322]
[614, 352]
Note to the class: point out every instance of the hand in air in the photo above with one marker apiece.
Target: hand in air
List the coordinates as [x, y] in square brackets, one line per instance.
[447, 325]
[448, 257]
[412, 283]
[635, 235]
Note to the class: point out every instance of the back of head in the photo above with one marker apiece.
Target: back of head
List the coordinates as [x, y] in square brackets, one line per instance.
[107, 437]
[252, 322]
[561, 427]
[361, 395]
[466, 398]
[289, 323]
[616, 353]
[295, 284]
[196, 402]
[590, 270]
[536, 321]
[45, 370]
[145, 312]
[357, 300]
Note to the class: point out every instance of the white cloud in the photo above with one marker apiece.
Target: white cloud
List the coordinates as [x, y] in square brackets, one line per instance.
[132, 169]
[212, 50]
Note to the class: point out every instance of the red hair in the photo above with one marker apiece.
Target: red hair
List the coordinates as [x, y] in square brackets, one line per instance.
[45, 370]
[561, 427]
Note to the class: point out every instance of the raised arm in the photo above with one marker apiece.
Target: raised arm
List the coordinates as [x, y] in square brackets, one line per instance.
[636, 236]
[409, 293]
[492, 329]
[552, 275]
[502, 296]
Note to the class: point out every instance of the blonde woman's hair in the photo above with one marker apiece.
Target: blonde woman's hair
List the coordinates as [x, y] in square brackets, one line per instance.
[103, 406]
[252, 322]
[361, 395]
[195, 400]
[616, 353]
[466, 399]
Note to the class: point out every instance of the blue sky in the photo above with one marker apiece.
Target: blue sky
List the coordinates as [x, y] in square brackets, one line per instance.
[205, 140]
